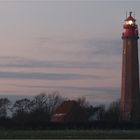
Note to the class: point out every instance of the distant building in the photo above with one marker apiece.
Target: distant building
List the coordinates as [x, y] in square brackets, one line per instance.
[69, 111]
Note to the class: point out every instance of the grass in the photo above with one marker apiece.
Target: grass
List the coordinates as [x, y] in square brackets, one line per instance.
[69, 134]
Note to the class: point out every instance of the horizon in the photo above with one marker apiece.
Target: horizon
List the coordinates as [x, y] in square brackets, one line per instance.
[73, 47]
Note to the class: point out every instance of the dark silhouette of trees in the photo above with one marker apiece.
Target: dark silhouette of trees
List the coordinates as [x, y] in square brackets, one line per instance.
[37, 112]
[43, 105]
[4, 107]
[39, 109]
[21, 109]
[82, 102]
[90, 110]
[112, 113]
[53, 101]
[101, 113]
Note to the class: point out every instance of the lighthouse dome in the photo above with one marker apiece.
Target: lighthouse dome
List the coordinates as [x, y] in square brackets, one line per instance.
[130, 18]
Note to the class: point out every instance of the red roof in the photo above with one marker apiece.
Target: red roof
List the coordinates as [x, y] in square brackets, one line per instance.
[69, 111]
[66, 107]
[130, 18]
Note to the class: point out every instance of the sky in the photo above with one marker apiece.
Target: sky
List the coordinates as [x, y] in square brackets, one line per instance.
[70, 46]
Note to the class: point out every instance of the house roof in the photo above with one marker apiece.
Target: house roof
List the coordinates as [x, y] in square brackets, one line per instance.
[66, 107]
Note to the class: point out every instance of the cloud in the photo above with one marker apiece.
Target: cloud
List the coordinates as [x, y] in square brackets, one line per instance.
[108, 47]
[88, 91]
[68, 53]
[99, 89]
[30, 63]
[45, 76]
[99, 46]
[80, 49]
[100, 95]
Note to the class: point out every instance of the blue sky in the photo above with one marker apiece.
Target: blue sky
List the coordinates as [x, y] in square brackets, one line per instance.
[73, 47]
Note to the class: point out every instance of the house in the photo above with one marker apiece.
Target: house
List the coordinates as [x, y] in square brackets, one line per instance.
[69, 111]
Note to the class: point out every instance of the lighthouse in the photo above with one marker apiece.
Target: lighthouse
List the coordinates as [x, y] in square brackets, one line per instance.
[130, 96]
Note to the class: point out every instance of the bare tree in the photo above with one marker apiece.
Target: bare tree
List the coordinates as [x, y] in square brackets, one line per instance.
[43, 105]
[22, 105]
[53, 101]
[101, 112]
[4, 106]
[91, 111]
[39, 111]
[82, 102]
[40, 101]
[113, 112]
[21, 109]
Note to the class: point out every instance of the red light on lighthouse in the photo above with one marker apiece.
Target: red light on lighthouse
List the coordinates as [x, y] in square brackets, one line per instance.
[130, 27]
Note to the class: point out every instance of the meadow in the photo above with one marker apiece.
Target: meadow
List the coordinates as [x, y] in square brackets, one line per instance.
[69, 134]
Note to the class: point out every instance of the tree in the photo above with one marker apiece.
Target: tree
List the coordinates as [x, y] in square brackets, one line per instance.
[113, 112]
[101, 113]
[82, 102]
[53, 101]
[39, 108]
[39, 101]
[4, 106]
[43, 105]
[21, 109]
[22, 105]
[91, 111]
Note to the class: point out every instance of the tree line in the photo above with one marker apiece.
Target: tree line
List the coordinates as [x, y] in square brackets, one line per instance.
[36, 113]
[41, 107]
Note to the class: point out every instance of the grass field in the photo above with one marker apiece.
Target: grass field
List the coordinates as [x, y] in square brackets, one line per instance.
[69, 134]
